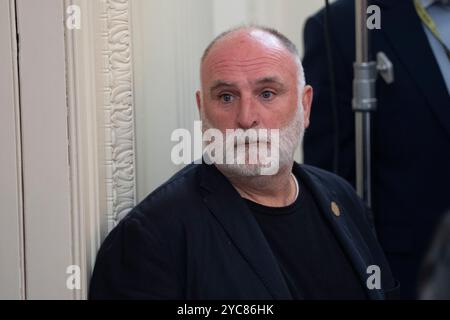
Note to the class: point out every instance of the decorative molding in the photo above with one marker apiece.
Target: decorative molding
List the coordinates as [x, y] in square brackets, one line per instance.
[118, 108]
[101, 126]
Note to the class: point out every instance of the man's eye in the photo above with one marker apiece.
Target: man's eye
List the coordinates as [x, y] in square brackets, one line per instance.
[226, 98]
[267, 95]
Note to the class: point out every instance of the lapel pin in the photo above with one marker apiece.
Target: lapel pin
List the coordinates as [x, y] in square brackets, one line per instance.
[335, 209]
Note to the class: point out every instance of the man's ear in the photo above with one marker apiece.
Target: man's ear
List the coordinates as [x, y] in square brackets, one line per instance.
[307, 99]
[198, 96]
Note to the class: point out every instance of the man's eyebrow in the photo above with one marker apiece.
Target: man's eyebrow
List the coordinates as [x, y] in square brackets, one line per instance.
[270, 80]
[220, 83]
[266, 80]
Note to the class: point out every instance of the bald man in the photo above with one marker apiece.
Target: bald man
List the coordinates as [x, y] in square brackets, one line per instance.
[229, 228]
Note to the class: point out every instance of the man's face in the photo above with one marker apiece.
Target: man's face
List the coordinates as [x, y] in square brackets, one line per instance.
[250, 81]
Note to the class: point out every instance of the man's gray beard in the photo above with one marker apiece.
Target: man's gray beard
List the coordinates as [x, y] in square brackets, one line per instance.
[290, 138]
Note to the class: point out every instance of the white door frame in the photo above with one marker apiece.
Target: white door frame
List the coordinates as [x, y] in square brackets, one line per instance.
[12, 270]
[70, 140]
[101, 124]
[45, 163]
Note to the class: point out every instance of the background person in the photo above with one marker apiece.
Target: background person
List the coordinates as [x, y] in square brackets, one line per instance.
[410, 129]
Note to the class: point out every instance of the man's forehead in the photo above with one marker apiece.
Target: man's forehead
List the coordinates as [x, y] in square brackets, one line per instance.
[250, 66]
[242, 45]
[265, 80]
[249, 71]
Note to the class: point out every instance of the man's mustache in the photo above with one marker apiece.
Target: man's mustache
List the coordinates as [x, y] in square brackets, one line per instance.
[247, 138]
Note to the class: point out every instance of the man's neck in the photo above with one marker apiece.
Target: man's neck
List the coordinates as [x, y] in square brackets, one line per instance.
[273, 191]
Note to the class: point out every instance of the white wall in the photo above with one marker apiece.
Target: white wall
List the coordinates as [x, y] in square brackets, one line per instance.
[11, 210]
[47, 186]
[45, 145]
[168, 39]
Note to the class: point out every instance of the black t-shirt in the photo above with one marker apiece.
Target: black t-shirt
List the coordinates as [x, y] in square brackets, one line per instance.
[310, 256]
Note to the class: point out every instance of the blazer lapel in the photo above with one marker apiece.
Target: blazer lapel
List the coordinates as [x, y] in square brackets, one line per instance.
[233, 214]
[347, 233]
[407, 38]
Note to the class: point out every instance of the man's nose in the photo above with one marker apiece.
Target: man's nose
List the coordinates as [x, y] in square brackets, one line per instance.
[248, 114]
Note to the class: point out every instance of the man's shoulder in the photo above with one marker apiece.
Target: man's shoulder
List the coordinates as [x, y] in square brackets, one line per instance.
[343, 192]
[327, 178]
[339, 188]
[181, 186]
[165, 202]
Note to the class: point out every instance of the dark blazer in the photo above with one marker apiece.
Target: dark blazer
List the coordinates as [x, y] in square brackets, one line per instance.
[411, 128]
[195, 238]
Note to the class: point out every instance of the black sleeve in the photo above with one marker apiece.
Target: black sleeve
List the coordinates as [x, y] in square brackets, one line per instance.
[319, 137]
[135, 262]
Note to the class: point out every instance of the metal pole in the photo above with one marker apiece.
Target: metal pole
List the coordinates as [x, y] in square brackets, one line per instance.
[364, 102]
[361, 31]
